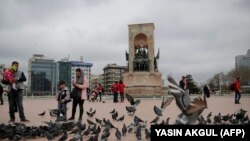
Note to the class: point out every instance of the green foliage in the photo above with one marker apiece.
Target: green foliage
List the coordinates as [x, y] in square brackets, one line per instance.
[192, 85]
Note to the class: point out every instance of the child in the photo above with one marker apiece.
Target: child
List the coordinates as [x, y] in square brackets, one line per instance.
[93, 95]
[9, 75]
[63, 97]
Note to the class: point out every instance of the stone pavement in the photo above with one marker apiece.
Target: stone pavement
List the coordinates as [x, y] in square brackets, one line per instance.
[32, 107]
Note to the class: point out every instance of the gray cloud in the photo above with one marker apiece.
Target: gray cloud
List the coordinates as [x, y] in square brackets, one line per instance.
[200, 38]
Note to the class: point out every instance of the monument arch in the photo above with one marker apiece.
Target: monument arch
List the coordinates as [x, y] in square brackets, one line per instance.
[143, 76]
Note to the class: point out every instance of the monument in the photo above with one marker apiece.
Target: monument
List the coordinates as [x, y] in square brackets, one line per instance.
[143, 76]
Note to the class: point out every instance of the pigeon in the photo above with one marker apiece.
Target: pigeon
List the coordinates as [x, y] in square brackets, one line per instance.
[130, 99]
[64, 136]
[97, 131]
[42, 114]
[138, 133]
[98, 121]
[124, 129]
[93, 138]
[155, 119]
[93, 127]
[164, 104]
[118, 134]
[90, 122]
[137, 102]
[53, 112]
[113, 111]
[76, 137]
[86, 132]
[240, 113]
[130, 129]
[209, 120]
[49, 136]
[105, 134]
[190, 110]
[217, 118]
[158, 111]
[209, 114]
[181, 97]
[115, 115]
[91, 113]
[121, 118]
[130, 109]
[167, 121]
[147, 133]
[137, 120]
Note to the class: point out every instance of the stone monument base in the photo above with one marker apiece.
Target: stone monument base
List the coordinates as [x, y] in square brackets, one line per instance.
[143, 83]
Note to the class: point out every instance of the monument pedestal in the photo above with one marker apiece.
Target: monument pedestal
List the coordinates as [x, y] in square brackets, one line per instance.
[143, 83]
[143, 77]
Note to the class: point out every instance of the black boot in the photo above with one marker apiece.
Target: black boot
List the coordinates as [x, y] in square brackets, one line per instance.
[80, 119]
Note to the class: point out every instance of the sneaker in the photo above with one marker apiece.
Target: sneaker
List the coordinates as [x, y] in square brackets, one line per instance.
[24, 120]
[71, 118]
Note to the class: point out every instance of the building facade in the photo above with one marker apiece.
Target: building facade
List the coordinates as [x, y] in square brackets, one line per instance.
[41, 76]
[85, 67]
[243, 60]
[95, 80]
[112, 73]
[64, 72]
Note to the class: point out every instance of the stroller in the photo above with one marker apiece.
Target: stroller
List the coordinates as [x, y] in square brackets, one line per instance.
[93, 96]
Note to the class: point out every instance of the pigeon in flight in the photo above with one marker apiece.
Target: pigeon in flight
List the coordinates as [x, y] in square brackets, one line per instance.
[132, 101]
[42, 114]
[190, 110]
[158, 111]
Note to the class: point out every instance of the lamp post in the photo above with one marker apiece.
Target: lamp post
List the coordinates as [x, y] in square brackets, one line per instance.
[220, 80]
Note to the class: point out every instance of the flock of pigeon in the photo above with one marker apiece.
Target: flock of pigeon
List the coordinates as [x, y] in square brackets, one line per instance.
[96, 129]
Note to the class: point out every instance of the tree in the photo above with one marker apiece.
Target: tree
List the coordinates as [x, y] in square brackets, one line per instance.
[243, 72]
[192, 85]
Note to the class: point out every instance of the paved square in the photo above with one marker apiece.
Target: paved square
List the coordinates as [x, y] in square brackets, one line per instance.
[32, 107]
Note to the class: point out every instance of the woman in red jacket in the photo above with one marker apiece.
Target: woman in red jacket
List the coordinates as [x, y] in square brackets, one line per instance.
[115, 89]
[121, 90]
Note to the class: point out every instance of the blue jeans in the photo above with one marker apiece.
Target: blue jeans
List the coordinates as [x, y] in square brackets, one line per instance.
[237, 96]
[62, 108]
[16, 96]
[115, 99]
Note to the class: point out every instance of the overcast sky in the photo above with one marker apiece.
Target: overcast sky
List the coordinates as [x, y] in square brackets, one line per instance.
[197, 37]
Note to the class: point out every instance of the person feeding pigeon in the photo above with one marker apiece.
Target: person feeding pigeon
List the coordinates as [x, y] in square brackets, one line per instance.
[63, 97]
[80, 84]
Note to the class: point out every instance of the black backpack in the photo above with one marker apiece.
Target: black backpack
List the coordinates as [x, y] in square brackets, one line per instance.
[232, 87]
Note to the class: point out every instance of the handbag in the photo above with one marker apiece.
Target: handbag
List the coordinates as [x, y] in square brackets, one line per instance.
[73, 93]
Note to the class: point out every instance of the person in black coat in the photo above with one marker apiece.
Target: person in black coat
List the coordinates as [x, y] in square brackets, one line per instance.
[1, 94]
[183, 83]
[206, 91]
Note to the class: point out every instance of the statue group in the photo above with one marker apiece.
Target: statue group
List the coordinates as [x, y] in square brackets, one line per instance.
[141, 61]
